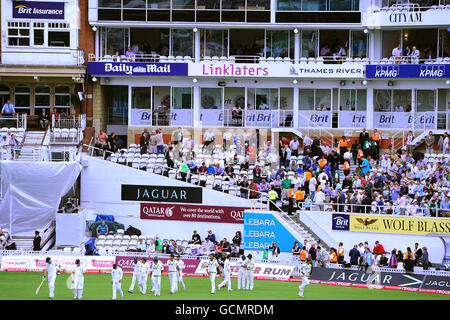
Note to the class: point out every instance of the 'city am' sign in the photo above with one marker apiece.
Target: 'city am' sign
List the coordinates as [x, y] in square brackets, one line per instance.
[162, 193]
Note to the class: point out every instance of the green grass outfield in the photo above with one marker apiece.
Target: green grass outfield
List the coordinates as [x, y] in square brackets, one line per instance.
[22, 286]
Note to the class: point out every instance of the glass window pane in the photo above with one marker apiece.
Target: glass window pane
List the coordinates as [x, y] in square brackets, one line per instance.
[22, 100]
[306, 97]
[42, 89]
[117, 101]
[161, 106]
[22, 88]
[314, 5]
[214, 43]
[182, 42]
[183, 4]
[286, 98]
[140, 98]
[62, 89]
[309, 44]
[347, 99]
[211, 98]
[182, 98]
[402, 101]
[361, 99]
[359, 44]
[38, 37]
[114, 41]
[134, 3]
[341, 5]
[289, 5]
[382, 100]
[258, 4]
[208, 4]
[42, 100]
[158, 4]
[277, 43]
[323, 99]
[391, 38]
[266, 99]
[425, 100]
[58, 39]
[234, 4]
[62, 100]
[109, 3]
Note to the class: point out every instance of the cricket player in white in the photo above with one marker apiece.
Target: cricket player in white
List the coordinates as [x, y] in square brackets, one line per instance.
[226, 273]
[242, 272]
[136, 268]
[116, 276]
[212, 265]
[250, 270]
[50, 271]
[144, 269]
[172, 271]
[305, 271]
[78, 280]
[180, 268]
[156, 272]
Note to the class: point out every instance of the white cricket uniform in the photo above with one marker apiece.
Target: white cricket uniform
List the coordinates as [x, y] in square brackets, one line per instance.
[250, 270]
[136, 273]
[144, 269]
[51, 276]
[212, 271]
[226, 275]
[181, 266]
[242, 273]
[116, 276]
[157, 269]
[172, 271]
[78, 281]
[305, 270]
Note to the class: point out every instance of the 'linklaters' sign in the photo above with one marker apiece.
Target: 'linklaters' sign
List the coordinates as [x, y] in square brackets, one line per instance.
[38, 10]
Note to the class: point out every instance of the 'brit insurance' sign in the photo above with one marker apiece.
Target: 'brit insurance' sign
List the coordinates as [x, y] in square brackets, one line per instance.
[137, 69]
[38, 10]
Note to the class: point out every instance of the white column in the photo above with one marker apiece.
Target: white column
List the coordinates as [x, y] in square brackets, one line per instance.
[273, 10]
[370, 109]
[414, 110]
[129, 104]
[295, 100]
[297, 47]
[197, 46]
[197, 124]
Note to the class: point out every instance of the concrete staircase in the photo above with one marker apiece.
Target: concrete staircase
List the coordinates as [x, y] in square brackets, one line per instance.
[31, 146]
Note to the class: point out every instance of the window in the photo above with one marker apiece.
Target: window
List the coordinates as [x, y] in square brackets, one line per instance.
[214, 43]
[161, 106]
[182, 98]
[211, 98]
[4, 94]
[182, 42]
[114, 40]
[38, 30]
[315, 99]
[117, 102]
[140, 98]
[42, 96]
[359, 44]
[62, 97]
[426, 100]
[19, 33]
[353, 100]
[278, 43]
[309, 44]
[22, 98]
[58, 35]
[262, 99]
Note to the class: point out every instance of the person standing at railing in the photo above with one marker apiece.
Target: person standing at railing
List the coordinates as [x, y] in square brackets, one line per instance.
[397, 53]
[415, 55]
[446, 144]
[409, 142]
[429, 142]
[8, 109]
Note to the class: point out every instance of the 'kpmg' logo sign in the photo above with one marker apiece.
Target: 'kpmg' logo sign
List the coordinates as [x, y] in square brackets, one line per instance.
[137, 69]
[408, 71]
[38, 10]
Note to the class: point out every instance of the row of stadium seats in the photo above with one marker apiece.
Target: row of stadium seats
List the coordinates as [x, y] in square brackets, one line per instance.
[65, 133]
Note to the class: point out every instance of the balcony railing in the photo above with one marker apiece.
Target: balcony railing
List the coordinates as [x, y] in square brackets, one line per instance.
[414, 5]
